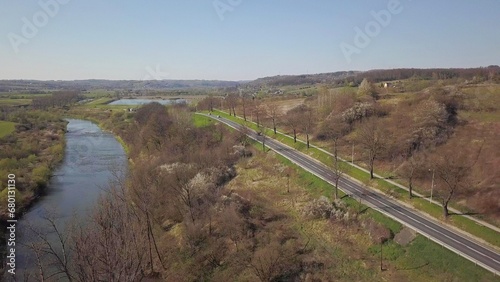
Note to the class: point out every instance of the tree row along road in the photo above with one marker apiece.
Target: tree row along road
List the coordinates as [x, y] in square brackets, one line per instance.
[470, 249]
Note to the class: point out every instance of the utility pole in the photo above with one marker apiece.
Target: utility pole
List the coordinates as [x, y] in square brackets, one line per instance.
[352, 153]
[263, 133]
[432, 185]
[381, 265]
[263, 143]
[288, 183]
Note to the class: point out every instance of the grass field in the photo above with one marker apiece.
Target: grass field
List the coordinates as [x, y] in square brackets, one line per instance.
[99, 101]
[201, 121]
[6, 128]
[14, 102]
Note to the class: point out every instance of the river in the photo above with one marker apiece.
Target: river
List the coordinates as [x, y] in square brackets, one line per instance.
[92, 159]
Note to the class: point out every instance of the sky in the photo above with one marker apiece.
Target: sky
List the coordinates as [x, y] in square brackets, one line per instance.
[240, 39]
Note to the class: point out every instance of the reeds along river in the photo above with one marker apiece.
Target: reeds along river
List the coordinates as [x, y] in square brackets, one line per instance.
[92, 159]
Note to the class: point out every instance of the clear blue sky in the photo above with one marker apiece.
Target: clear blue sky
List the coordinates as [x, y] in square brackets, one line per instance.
[187, 39]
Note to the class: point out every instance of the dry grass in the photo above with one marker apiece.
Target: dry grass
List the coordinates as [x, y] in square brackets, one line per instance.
[340, 247]
[345, 250]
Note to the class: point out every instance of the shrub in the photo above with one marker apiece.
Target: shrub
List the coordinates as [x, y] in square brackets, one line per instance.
[319, 208]
[377, 232]
[41, 175]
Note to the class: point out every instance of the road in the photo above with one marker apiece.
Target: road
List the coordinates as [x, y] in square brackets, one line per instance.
[472, 250]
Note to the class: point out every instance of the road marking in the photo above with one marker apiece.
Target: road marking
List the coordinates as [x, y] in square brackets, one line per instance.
[411, 215]
[319, 169]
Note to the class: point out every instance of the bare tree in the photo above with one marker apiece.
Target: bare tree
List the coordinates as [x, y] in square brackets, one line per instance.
[51, 248]
[110, 246]
[334, 129]
[262, 133]
[258, 109]
[307, 123]
[232, 101]
[370, 137]
[273, 260]
[244, 105]
[454, 171]
[339, 169]
[410, 170]
[273, 112]
[301, 117]
[293, 121]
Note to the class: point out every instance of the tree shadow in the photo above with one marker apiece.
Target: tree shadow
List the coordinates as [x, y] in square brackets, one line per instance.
[413, 268]
[363, 210]
[463, 213]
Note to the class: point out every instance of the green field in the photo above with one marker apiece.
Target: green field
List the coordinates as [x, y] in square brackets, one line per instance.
[201, 121]
[15, 102]
[6, 128]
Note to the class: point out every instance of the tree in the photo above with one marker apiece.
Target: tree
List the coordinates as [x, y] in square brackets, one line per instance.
[273, 111]
[367, 89]
[208, 103]
[334, 129]
[232, 101]
[307, 123]
[244, 105]
[301, 117]
[274, 260]
[429, 125]
[370, 137]
[410, 170]
[51, 249]
[262, 133]
[293, 121]
[339, 168]
[111, 246]
[257, 109]
[453, 169]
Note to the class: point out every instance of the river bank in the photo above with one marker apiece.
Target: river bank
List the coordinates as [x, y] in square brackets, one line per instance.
[31, 153]
[92, 159]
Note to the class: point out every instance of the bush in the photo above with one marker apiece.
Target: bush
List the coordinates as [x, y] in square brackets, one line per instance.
[41, 175]
[319, 208]
[377, 232]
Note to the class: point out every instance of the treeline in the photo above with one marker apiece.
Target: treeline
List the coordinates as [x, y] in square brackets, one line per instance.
[152, 83]
[57, 99]
[354, 78]
[476, 74]
[282, 80]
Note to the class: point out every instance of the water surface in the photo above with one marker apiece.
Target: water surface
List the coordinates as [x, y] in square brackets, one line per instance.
[92, 159]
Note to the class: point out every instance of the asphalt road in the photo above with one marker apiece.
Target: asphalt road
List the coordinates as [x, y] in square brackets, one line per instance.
[476, 252]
